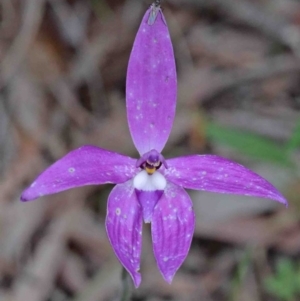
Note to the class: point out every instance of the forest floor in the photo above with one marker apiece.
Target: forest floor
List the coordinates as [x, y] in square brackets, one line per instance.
[62, 85]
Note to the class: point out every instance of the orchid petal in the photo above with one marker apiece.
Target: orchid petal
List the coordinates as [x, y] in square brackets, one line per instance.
[149, 189]
[172, 227]
[148, 200]
[87, 165]
[124, 228]
[151, 86]
[216, 174]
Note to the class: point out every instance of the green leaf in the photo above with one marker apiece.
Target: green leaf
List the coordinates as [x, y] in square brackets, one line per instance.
[284, 284]
[248, 143]
[294, 141]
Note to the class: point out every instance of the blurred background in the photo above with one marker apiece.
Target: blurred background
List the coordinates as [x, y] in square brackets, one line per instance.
[62, 84]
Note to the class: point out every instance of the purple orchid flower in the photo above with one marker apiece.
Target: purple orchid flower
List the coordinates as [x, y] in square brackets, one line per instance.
[150, 188]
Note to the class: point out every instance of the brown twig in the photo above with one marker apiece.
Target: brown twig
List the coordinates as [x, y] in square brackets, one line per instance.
[272, 26]
[33, 13]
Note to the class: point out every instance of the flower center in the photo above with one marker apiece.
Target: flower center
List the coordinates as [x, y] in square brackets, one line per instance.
[151, 161]
[151, 167]
[149, 182]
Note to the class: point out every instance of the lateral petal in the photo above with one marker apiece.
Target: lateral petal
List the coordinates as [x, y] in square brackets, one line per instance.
[124, 228]
[87, 165]
[151, 87]
[216, 174]
[172, 227]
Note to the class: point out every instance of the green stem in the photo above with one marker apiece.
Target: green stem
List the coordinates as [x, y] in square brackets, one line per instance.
[126, 292]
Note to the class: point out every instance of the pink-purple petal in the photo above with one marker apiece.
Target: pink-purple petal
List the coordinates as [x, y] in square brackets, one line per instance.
[216, 174]
[172, 227]
[87, 165]
[151, 86]
[148, 200]
[124, 228]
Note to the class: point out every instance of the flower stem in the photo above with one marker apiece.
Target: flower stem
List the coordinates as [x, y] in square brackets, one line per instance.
[126, 292]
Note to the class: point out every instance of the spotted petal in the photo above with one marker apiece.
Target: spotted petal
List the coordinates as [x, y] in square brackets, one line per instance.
[124, 228]
[87, 165]
[216, 174]
[151, 87]
[172, 228]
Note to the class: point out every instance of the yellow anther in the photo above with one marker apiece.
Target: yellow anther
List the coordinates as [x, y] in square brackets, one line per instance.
[150, 170]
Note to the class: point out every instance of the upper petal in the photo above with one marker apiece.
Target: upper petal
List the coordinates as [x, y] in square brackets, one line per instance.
[87, 165]
[216, 174]
[124, 228]
[151, 86]
[172, 227]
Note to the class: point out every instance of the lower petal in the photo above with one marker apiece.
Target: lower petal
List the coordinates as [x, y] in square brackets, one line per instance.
[172, 227]
[124, 228]
[148, 200]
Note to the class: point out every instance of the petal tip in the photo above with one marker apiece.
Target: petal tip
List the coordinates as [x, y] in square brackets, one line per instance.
[136, 279]
[31, 193]
[23, 198]
[169, 278]
[281, 199]
[26, 196]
